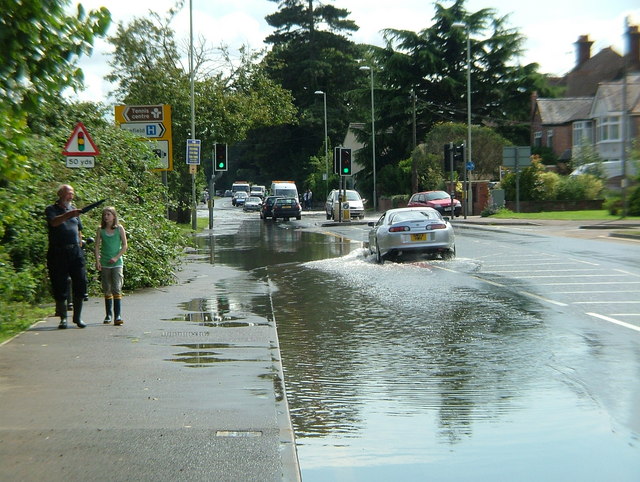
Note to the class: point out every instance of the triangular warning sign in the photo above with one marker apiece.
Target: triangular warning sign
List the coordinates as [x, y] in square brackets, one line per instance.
[80, 143]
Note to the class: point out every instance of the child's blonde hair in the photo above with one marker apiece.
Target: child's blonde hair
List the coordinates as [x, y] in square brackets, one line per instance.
[112, 210]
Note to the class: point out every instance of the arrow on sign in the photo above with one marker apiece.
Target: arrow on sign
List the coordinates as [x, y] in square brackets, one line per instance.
[145, 129]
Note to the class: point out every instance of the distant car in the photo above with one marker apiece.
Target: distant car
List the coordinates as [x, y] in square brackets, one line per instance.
[253, 203]
[404, 232]
[267, 206]
[228, 193]
[438, 200]
[356, 204]
[286, 208]
[239, 198]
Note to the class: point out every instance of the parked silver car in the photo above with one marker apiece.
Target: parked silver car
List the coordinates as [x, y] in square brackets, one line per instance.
[356, 204]
[403, 232]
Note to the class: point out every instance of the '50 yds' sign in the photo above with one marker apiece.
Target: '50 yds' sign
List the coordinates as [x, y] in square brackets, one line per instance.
[84, 161]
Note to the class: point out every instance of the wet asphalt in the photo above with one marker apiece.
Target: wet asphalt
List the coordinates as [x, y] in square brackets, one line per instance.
[146, 400]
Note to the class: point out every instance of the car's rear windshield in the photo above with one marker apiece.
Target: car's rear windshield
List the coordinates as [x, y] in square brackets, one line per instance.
[414, 216]
[285, 201]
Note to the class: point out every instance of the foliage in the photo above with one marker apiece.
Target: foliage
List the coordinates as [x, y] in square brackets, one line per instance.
[310, 52]
[147, 69]
[634, 202]
[537, 184]
[39, 47]
[432, 64]
[486, 152]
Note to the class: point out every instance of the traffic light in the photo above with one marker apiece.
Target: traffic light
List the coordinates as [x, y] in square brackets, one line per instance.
[458, 156]
[345, 161]
[220, 157]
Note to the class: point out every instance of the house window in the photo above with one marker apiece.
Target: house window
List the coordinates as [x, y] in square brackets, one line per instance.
[582, 132]
[550, 138]
[609, 129]
[537, 139]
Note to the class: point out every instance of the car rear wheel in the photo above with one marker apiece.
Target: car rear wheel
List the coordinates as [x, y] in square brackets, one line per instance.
[298, 218]
[449, 254]
[379, 258]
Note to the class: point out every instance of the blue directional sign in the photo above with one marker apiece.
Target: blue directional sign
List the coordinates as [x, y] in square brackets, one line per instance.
[193, 151]
[470, 166]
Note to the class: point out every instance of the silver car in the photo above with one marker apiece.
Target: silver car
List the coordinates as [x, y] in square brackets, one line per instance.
[356, 204]
[411, 231]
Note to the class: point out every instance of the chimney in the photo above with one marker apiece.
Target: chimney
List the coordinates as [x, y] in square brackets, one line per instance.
[633, 48]
[583, 50]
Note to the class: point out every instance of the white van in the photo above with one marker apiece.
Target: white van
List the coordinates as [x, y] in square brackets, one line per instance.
[240, 186]
[284, 189]
[257, 191]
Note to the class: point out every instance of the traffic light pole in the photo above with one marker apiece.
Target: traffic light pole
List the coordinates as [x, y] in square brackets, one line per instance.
[452, 192]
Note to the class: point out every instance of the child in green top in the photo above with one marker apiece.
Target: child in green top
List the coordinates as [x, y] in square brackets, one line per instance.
[111, 244]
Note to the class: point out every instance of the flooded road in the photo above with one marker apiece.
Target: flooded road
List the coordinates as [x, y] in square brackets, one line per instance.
[431, 370]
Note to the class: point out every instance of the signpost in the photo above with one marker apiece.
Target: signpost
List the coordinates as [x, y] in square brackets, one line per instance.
[80, 150]
[516, 157]
[151, 123]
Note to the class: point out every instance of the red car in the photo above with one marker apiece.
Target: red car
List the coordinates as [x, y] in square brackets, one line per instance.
[438, 200]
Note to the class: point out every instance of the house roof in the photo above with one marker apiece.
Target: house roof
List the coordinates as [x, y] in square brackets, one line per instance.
[564, 110]
[611, 93]
[583, 80]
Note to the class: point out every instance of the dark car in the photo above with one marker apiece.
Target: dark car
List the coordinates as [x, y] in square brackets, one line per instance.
[438, 200]
[285, 208]
[267, 205]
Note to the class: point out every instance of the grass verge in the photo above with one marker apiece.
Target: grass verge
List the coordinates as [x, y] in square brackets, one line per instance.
[589, 215]
[22, 317]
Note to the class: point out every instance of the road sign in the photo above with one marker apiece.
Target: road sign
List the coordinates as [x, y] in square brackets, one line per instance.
[520, 155]
[151, 123]
[193, 151]
[143, 113]
[161, 150]
[80, 161]
[470, 166]
[145, 129]
[80, 143]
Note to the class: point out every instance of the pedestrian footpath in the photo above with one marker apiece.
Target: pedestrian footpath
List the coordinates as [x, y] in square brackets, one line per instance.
[163, 397]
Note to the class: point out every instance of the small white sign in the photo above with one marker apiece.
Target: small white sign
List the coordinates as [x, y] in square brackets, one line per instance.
[81, 161]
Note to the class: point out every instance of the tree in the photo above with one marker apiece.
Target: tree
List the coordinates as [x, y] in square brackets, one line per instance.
[239, 97]
[310, 52]
[432, 64]
[39, 47]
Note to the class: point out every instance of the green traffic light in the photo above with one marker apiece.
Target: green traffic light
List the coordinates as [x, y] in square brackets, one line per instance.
[345, 170]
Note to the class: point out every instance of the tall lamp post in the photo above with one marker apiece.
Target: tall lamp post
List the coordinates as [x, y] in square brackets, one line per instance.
[468, 159]
[326, 140]
[373, 139]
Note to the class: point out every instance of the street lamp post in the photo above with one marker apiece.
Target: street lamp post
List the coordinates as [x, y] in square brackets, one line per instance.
[468, 159]
[373, 139]
[326, 140]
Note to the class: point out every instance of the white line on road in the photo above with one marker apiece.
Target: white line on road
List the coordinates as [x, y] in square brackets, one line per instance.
[617, 322]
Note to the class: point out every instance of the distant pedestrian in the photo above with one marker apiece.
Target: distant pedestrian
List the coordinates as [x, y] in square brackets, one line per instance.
[65, 258]
[111, 244]
[308, 196]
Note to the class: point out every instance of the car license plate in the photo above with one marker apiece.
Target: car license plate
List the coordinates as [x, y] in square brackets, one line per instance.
[286, 207]
[447, 208]
[419, 237]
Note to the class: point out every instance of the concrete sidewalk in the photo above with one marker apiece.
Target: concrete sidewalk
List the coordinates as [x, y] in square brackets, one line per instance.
[159, 398]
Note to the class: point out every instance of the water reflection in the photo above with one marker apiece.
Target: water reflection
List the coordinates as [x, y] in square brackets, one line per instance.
[412, 369]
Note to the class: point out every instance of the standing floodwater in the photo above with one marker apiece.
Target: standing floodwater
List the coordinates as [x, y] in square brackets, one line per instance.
[424, 372]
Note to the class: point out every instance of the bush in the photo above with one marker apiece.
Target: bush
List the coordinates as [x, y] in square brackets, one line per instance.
[634, 202]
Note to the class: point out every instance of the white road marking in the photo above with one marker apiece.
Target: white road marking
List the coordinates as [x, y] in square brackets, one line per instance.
[614, 321]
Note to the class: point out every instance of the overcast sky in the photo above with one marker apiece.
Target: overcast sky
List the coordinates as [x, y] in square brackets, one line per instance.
[551, 27]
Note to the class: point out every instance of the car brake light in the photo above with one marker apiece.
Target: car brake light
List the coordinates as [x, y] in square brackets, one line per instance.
[397, 229]
[436, 226]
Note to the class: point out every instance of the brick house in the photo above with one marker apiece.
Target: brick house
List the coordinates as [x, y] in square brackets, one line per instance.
[591, 107]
